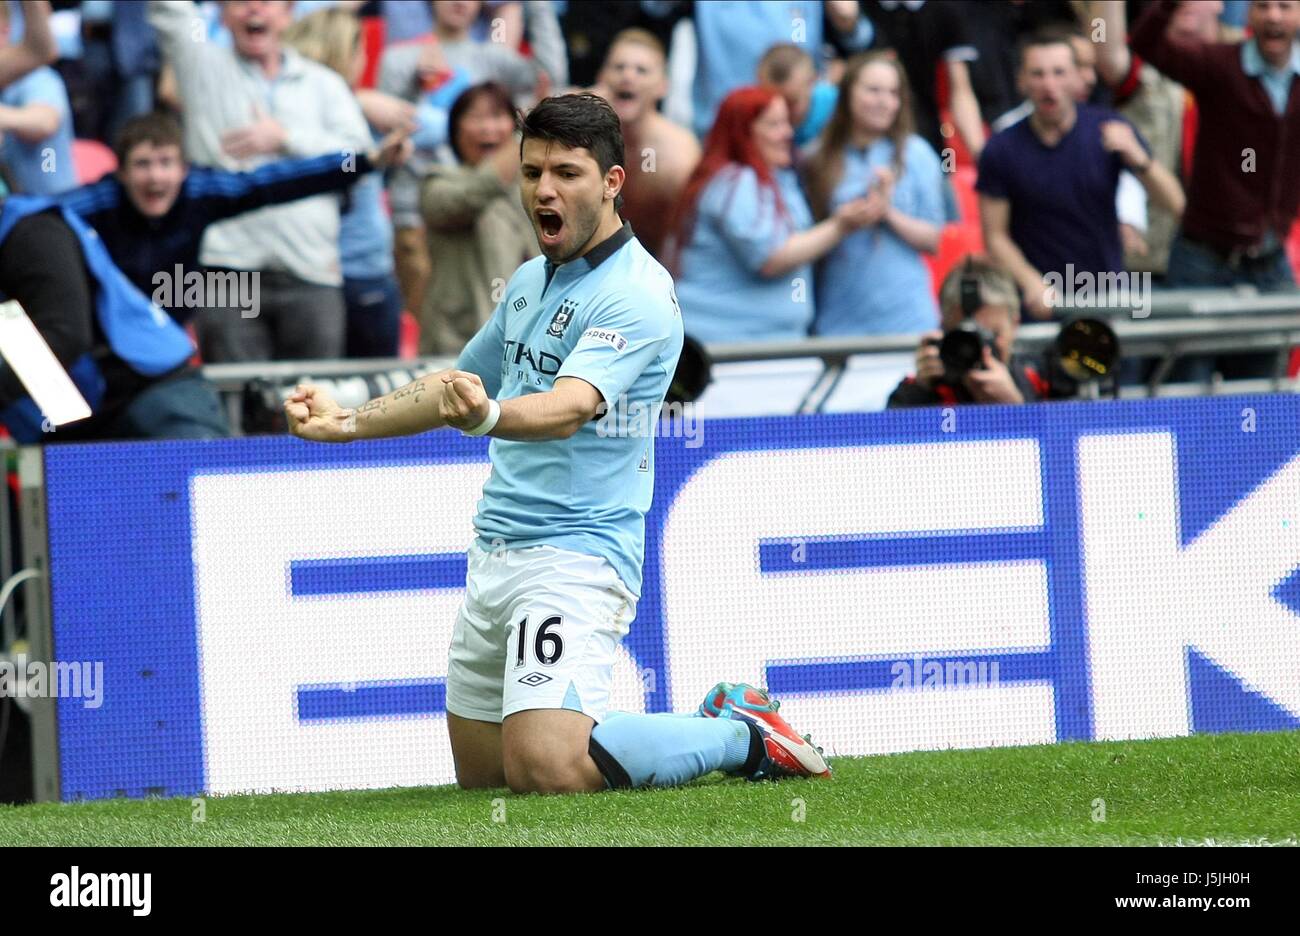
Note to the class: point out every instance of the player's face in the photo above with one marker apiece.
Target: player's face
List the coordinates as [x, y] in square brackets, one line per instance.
[634, 78]
[1050, 80]
[152, 176]
[563, 191]
[773, 134]
[256, 25]
[874, 101]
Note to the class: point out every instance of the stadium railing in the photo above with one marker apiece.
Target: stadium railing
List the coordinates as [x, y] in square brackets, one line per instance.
[856, 374]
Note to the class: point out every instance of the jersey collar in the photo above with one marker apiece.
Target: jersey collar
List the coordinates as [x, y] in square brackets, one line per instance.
[596, 255]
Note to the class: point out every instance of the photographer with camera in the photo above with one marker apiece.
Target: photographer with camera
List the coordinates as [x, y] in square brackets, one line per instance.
[971, 360]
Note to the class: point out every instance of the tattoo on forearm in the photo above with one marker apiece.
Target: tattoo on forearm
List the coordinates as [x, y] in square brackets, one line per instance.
[380, 405]
[413, 389]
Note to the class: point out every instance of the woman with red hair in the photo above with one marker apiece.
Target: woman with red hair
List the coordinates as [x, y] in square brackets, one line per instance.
[745, 238]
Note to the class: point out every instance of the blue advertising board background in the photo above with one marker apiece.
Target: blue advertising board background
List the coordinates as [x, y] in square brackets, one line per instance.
[123, 588]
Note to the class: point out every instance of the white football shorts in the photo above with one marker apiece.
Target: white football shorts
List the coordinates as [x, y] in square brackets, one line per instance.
[539, 629]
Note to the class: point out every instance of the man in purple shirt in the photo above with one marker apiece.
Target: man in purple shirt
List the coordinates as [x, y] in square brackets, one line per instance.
[1047, 183]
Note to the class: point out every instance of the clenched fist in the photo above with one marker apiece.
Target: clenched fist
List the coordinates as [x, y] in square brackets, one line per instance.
[1118, 137]
[314, 416]
[464, 402]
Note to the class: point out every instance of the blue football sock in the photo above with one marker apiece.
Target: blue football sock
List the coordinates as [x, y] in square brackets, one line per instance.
[668, 749]
[694, 714]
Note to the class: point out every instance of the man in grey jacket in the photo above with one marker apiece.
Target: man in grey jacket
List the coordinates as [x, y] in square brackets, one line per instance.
[245, 106]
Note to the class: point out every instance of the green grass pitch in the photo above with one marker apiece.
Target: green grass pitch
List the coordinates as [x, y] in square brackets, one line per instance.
[1229, 788]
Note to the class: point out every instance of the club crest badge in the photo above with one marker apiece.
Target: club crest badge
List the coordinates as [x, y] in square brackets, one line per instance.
[562, 317]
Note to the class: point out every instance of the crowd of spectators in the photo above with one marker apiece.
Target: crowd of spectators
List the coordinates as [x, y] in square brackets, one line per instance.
[795, 164]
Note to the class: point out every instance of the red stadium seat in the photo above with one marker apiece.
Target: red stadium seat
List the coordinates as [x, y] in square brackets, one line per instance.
[408, 341]
[92, 160]
[372, 43]
[1293, 247]
[196, 359]
[1293, 254]
[963, 182]
[965, 236]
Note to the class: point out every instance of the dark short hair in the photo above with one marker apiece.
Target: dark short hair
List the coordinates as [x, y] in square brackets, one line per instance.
[1056, 34]
[584, 121]
[156, 128]
[491, 90]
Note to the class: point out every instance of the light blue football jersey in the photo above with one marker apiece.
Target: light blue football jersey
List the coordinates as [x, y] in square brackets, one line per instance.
[612, 319]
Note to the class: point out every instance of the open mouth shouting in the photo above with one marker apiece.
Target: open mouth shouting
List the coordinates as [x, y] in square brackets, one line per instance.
[627, 103]
[155, 198]
[550, 226]
[1275, 37]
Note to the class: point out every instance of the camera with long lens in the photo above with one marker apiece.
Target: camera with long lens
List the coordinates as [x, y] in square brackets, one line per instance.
[1086, 351]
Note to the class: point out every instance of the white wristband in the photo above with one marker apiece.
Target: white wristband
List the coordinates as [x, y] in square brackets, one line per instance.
[488, 424]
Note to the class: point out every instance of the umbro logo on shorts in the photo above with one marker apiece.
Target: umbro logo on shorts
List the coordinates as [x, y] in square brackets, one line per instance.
[520, 303]
[534, 679]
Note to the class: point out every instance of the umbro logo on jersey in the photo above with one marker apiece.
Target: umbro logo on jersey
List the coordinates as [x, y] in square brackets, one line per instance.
[520, 303]
[560, 320]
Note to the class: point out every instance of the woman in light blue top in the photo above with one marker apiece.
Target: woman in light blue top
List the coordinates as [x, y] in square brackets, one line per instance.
[876, 281]
[745, 238]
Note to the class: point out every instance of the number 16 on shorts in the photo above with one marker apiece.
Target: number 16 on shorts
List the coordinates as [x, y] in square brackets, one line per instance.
[545, 643]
